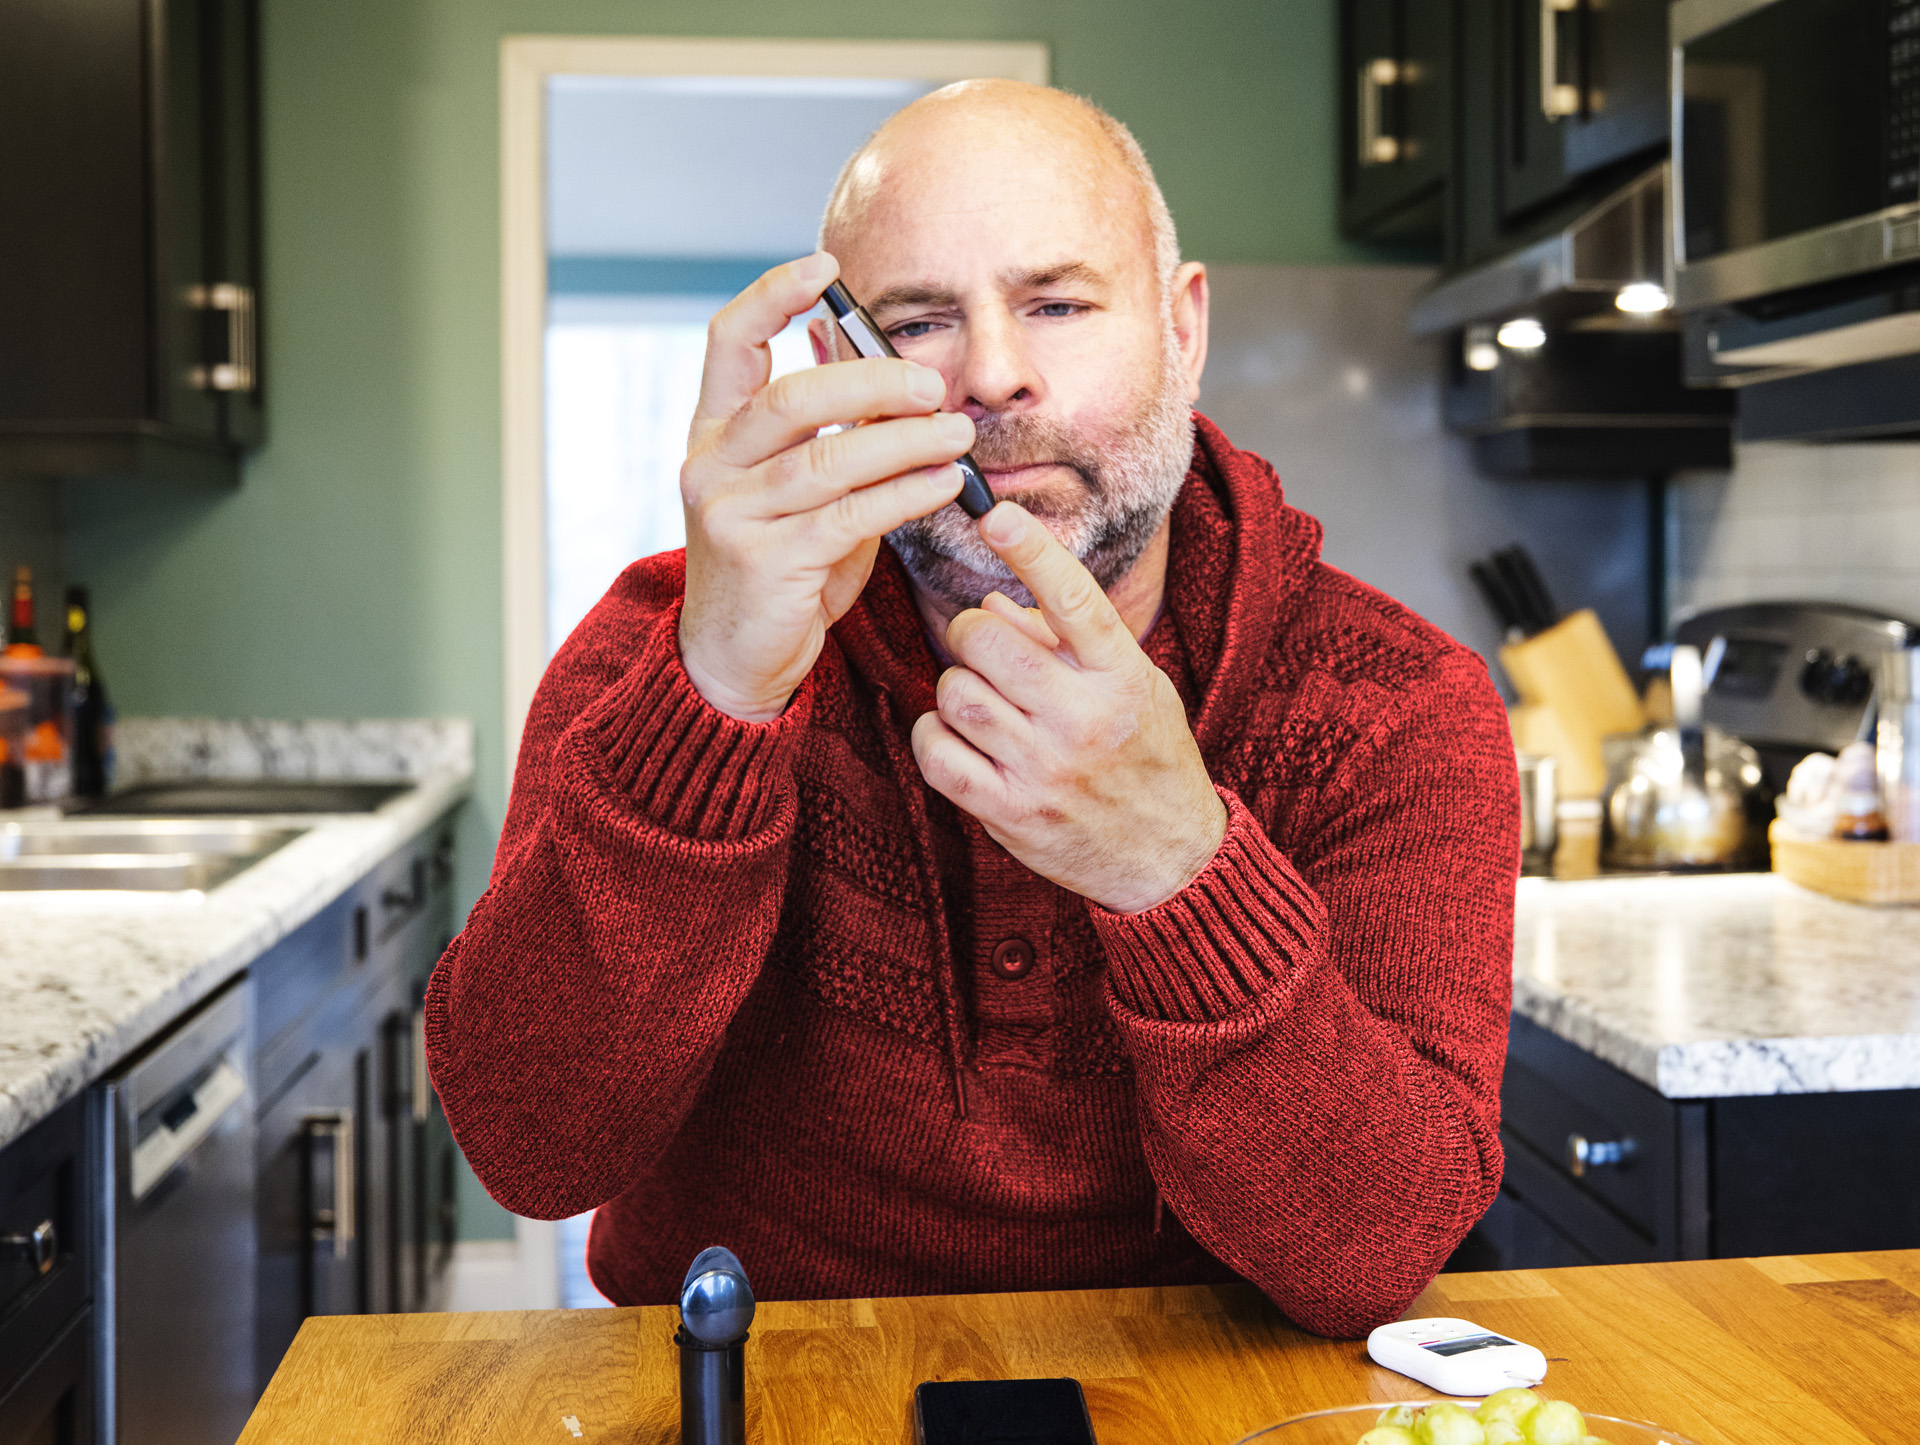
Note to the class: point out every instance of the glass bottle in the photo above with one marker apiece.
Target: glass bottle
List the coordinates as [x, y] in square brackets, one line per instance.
[92, 713]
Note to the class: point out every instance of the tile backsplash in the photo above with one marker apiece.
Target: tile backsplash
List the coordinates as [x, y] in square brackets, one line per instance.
[1835, 522]
[1314, 368]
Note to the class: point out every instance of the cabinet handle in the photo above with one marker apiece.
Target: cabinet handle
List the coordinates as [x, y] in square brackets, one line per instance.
[236, 372]
[336, 1125]
[1376, 147]
[422, 1088]
[1557, 99]
[40, 1245]
[1584, 1153]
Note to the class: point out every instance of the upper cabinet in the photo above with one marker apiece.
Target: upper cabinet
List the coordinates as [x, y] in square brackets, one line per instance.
[129, 237]
[1581, 87]
[1396, 88]
[1471, 125]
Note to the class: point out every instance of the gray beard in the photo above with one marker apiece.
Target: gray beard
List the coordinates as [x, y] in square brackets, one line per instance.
[1128, 488]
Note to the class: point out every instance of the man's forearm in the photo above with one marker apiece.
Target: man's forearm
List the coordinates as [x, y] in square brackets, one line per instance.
[1301, 1135]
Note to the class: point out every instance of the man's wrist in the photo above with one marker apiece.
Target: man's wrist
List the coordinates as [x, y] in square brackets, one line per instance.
[723, 699]
[1183, 864]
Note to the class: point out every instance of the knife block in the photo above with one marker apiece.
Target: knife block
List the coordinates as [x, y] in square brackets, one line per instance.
[1573, 692]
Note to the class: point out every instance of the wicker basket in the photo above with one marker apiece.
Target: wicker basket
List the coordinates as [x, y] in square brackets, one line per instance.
[1857, 872]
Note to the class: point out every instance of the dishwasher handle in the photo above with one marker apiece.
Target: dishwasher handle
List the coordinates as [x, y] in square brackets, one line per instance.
[337, 1126]
[184, 1126]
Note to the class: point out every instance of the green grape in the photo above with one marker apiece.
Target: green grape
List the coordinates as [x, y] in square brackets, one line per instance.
[1512, 1404]
[1555, 1422]
[1447, 1424]
[1402, 1416]
[1502, 1431]
[1387, 1435]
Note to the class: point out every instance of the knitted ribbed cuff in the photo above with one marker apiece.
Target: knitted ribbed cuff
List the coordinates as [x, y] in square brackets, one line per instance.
[1244, 923]
[689, 767]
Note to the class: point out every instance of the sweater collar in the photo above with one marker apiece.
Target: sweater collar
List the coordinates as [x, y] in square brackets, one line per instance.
[1236, 560]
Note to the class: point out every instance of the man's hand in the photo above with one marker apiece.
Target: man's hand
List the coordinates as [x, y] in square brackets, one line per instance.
[1060, 735]
[783, 525]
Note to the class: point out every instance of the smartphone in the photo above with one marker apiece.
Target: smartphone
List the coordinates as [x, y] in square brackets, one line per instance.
[1001, 1412]
[976, 497]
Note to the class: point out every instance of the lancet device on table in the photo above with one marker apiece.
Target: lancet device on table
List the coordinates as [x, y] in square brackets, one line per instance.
[866, 337]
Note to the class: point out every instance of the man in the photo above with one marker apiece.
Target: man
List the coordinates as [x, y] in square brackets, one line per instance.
[1158, 931]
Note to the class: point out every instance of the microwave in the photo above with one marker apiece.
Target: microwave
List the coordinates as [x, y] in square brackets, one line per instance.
[1795, 224]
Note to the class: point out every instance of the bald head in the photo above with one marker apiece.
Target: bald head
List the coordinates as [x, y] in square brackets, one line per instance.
[1003, 126]
[1012, 237]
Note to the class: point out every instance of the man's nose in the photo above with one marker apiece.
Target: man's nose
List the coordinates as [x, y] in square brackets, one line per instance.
[997, 373]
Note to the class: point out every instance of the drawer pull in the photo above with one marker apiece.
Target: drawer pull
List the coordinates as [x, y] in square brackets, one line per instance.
[39, 1246]
[1584, 1153]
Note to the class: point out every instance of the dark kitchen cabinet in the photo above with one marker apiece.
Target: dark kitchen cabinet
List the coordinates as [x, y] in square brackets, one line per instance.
[1581, 89]
[1601, 1169]
[354, 1198]
[1483, 124]
[1396, 118]
[129, 237]
[48, 1219]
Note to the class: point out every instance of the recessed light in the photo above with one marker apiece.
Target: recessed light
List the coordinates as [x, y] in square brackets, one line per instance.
[1643, 298]
[1523, 333]
[1478, 350]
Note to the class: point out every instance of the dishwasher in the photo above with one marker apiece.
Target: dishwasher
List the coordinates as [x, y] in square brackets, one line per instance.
[175, 1297]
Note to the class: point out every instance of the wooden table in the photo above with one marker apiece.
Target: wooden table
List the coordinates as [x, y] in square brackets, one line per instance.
[1730, 1352]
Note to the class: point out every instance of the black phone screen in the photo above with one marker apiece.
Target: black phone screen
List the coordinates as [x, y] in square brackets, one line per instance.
[1001, 1412]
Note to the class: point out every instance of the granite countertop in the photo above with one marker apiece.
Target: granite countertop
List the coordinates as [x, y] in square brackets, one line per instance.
[89, 976]
[1723, 985]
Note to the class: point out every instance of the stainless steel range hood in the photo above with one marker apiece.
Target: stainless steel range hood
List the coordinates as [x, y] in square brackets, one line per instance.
[1574, 275]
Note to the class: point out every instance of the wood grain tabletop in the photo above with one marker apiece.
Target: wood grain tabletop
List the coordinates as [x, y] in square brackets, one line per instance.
[1784, 1351]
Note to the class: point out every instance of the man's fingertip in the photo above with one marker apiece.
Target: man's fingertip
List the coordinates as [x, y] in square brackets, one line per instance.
[1005, 524]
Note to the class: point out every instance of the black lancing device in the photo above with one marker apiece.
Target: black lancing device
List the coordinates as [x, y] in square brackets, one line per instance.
[976, 497]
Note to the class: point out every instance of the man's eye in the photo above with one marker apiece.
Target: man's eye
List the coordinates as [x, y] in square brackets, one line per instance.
[1059, 308]
[910, 330]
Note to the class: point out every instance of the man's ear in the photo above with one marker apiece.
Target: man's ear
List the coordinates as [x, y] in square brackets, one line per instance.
[820, 332]
[1190, 322]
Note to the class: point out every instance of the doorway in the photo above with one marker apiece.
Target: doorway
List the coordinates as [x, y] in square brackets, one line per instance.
[644, 182]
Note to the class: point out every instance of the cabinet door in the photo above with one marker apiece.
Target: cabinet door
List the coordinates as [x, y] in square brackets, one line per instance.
[1584, 87]
[73, 281]
[1396, 117]
[232, 193]
[311, 1195]
[180, 70]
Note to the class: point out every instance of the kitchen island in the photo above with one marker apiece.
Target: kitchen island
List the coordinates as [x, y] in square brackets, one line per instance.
[1818, 1350]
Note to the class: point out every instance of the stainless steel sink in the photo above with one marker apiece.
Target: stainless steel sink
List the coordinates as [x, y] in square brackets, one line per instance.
[149, 854]
[226, 837]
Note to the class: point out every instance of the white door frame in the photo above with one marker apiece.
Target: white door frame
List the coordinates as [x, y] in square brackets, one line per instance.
[526, 64]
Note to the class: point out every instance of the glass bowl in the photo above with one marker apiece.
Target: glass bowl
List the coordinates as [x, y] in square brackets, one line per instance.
[1347, 1423]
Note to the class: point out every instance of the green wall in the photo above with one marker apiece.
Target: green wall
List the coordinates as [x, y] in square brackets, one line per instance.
[356, 571]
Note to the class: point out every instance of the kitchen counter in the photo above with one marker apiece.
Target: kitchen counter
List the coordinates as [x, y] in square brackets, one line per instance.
[1723, 985]
[87, 977]
[1779, 1351]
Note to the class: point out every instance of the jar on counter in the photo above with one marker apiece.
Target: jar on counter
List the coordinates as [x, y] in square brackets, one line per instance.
[1897, 743]
[41, 744]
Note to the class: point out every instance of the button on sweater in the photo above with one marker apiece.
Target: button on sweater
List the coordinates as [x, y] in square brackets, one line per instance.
[758, 985]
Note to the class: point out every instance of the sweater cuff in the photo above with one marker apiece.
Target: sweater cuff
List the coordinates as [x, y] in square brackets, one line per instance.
[1246, 921]
[687, 766]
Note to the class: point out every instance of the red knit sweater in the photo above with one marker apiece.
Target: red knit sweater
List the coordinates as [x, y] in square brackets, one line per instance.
[734, 983]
